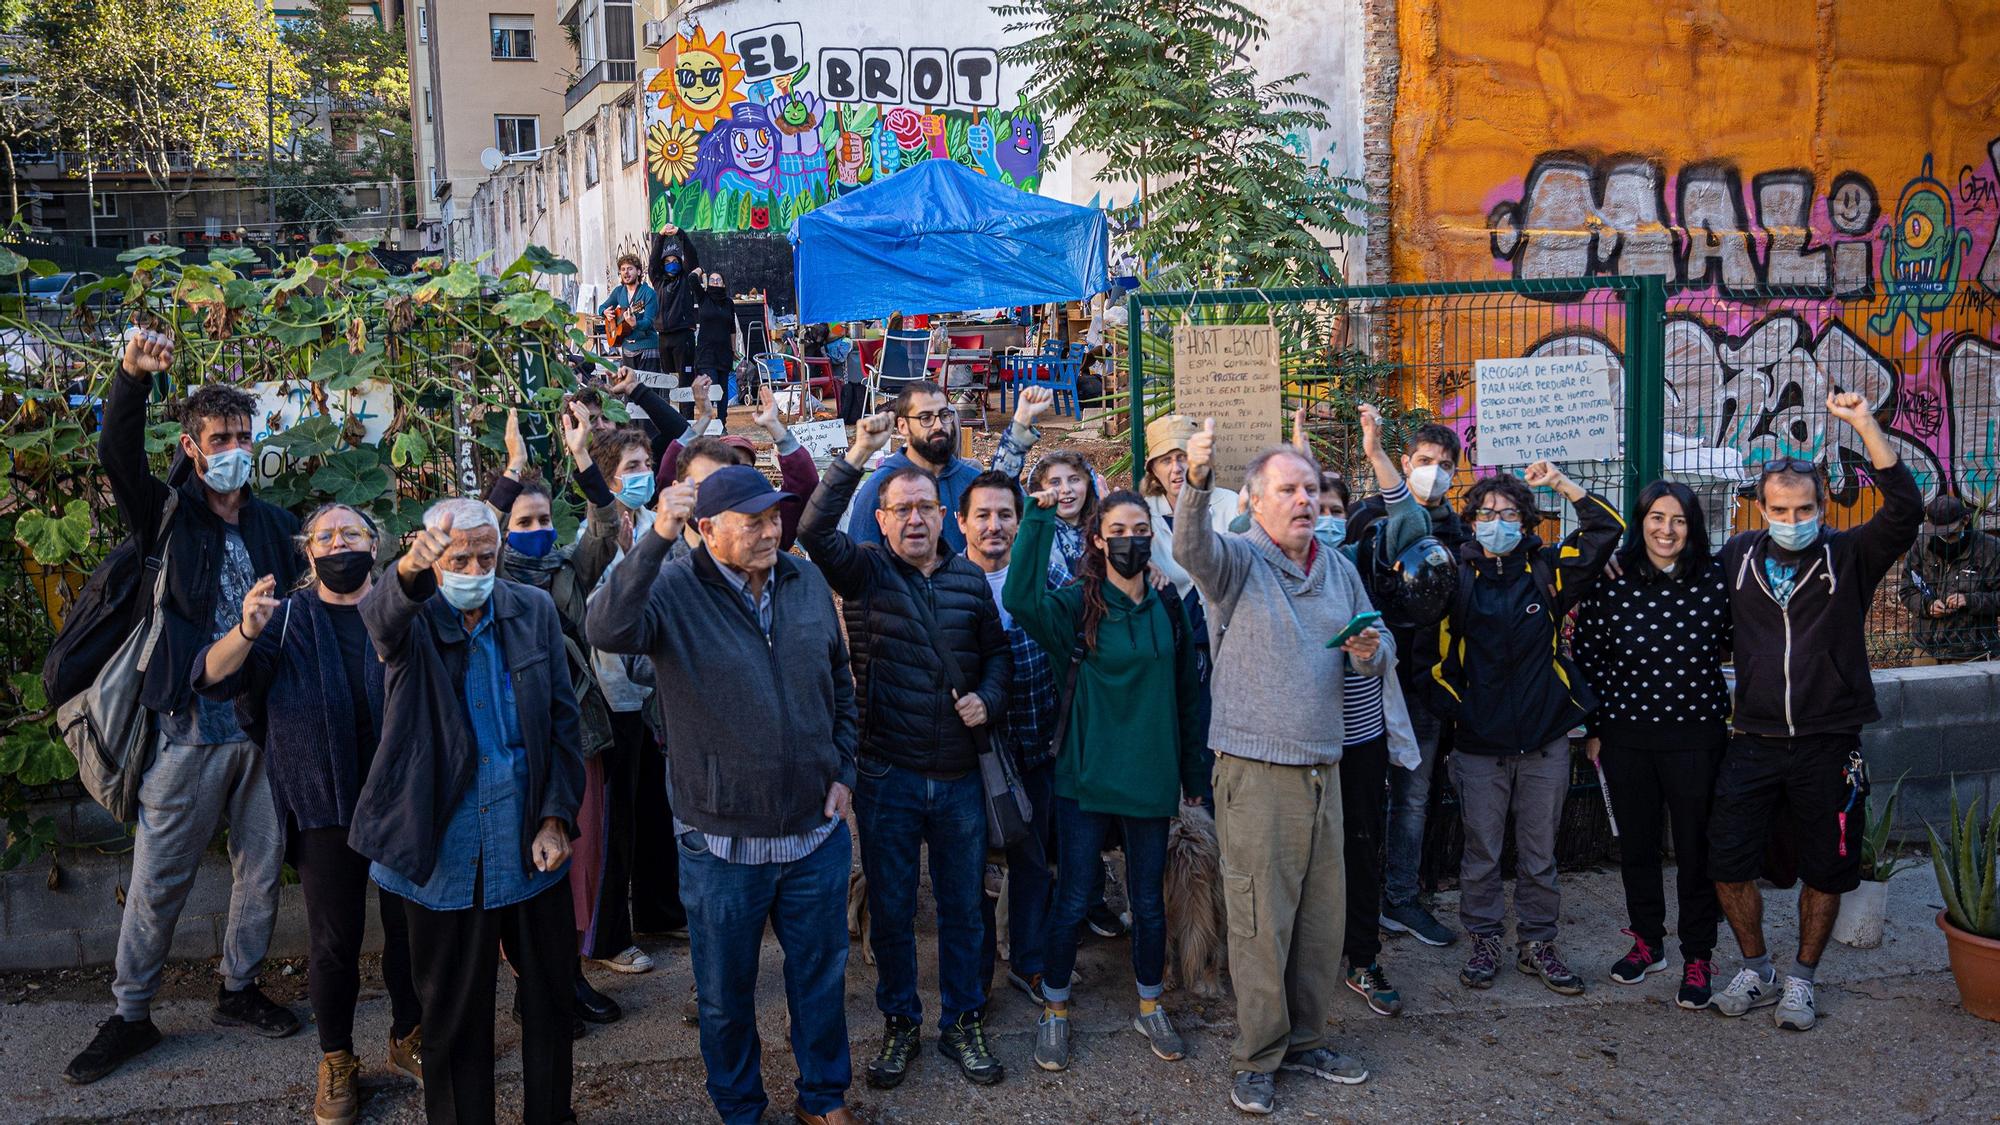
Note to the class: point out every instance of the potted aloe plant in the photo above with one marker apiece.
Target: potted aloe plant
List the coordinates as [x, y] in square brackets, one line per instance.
[1863, 909]
[1966, 862]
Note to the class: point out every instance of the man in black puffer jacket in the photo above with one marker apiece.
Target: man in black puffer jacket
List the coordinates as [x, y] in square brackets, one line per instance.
[673, 267]
[910, 604]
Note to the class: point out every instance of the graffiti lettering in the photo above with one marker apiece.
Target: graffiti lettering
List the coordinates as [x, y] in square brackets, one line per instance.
[770, 51]
[1975, 191]
[1759, 396]
[1972, 384]
[738, 138]
[1989, 270]
[1580, 216]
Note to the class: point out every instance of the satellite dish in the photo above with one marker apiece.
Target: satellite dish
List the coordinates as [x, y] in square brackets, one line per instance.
[491, 158]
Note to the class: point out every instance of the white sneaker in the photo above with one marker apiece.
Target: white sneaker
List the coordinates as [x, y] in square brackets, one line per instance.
[632, 960]
[1796, 1011]
[1746, 990]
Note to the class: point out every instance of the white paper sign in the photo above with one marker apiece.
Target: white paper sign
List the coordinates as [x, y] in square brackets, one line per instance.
[1547, 408]
[686, 394]
[280, 406]
[824, 440]
[714, 428]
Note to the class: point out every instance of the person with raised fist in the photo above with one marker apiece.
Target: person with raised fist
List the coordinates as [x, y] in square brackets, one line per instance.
[1276, 600]
[205, 771]
[470, 807]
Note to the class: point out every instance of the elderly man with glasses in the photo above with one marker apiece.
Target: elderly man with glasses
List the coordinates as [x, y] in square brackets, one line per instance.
[932, 665]
[928, 426]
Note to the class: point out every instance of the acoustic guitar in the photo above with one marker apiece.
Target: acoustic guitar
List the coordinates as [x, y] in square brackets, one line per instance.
[615, 328]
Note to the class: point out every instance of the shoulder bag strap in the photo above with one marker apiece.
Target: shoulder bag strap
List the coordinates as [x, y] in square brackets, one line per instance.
[160, 581]
[953, 674]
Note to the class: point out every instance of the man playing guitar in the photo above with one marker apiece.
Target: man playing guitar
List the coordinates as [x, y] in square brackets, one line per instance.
[628, 315]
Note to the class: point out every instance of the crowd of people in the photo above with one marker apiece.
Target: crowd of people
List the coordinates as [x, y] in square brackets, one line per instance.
[677, 724]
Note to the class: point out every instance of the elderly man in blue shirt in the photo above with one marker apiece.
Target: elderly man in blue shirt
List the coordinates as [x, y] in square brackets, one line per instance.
[471, 805]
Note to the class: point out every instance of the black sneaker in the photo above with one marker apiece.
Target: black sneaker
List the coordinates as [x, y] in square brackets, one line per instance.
[1104, 921]
[117, 1040]
[1641, 959]
[1697, 983]
[594, 1006]
[965, 1044]
[252, 1009]
[900, 1040]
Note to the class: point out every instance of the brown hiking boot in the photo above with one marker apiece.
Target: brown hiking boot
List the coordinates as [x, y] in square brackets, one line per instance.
[337, 1103]
[406, 1055]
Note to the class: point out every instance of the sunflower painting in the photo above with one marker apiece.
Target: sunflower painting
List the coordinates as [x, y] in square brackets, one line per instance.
[670, 152]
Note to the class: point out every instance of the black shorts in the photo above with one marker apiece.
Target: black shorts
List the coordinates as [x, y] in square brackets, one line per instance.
[1799, 786]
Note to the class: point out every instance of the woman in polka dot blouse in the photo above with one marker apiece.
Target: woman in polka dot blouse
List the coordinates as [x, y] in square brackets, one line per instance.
[1651, 641]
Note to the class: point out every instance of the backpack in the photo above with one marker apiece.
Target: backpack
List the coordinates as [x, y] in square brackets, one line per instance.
[105, 611]
[105, 724]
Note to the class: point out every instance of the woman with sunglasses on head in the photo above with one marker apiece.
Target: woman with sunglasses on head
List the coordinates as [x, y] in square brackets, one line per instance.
[1650, 640]
[308, 690]
[1502, 675]
[1130, 748]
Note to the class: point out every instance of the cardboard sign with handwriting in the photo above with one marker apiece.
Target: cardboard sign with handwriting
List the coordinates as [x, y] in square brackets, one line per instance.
[824, 440]
[1545, 408]
[1229, 372]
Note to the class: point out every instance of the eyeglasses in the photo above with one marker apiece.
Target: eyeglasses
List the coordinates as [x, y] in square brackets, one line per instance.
[1790, 465]
[352, 537]
[925, 509]
[1504, 515]
[930, 418]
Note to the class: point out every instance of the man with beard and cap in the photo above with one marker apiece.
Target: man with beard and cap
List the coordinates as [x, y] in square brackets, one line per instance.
[929, 427]
[1428, 462]
[931, 664]
[674, 268]
[1951, 585]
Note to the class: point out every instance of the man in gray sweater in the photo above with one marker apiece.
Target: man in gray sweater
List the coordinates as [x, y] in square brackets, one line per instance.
[1275, 599]
[761, 737]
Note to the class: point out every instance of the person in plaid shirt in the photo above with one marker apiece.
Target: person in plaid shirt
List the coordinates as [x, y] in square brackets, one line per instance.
[989, 515]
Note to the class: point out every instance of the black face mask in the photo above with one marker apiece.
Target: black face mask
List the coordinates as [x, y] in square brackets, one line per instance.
[343, 572]
[1947, 545]
[718, 291]
[1128, 554]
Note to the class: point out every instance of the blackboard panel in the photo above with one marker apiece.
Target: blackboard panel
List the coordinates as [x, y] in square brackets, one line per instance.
[751, 260]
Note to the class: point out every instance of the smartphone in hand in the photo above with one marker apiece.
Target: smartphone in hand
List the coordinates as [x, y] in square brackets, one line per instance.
[1360, 624]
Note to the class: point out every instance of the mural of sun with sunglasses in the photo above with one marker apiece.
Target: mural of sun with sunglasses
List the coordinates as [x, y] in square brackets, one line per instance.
[698, 80]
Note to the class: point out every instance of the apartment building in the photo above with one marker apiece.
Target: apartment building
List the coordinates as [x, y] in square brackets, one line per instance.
[484, 74]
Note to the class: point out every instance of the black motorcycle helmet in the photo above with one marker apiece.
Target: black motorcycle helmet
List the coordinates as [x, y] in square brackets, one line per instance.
[1413, 590]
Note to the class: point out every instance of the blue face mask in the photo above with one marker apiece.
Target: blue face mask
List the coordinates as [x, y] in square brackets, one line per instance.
[1333, 527]
[672, 268]
[533, 544]
[1795, 536]
[1497, 536]
[228, 470]
[465, 591]
[634, 489]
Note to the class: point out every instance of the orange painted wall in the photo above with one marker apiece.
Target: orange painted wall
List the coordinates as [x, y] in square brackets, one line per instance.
[1516, 119]
[1486, 85]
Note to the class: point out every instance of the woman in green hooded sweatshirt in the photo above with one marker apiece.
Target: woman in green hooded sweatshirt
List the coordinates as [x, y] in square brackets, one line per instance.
[1130, 750]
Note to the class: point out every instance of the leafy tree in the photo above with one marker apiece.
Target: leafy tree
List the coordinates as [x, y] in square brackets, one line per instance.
[356, 72]
[1164, 91]
[169, 88]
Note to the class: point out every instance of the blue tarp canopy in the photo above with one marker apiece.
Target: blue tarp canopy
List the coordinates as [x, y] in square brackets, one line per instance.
[940, 237]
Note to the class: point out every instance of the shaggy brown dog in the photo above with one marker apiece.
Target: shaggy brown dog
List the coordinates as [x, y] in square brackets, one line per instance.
[1196, 945]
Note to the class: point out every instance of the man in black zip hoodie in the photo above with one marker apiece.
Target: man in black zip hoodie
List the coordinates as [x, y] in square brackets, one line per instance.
[673, 267]
[1799, 594]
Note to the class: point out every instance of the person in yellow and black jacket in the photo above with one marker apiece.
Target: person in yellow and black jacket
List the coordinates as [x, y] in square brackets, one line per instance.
[1515, 696]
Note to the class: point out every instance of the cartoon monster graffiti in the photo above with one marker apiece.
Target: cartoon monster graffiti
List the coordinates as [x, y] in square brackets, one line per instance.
[703, 83]
[1020, 155]
[741, 153]
[801, 158]
[1922, 255]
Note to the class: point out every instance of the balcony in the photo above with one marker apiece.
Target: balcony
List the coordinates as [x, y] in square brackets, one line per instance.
[604, 70]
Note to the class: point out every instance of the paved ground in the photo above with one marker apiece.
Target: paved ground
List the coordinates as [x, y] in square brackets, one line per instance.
[1893, 1047]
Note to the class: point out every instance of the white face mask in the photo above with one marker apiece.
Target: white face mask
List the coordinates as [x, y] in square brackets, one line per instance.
[1429, 483]
[228, 470]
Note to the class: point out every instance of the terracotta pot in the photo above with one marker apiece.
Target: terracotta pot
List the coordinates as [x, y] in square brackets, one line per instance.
[1975, 964]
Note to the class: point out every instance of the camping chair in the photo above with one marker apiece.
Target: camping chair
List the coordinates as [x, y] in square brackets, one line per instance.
[790, 373]
[905, 359]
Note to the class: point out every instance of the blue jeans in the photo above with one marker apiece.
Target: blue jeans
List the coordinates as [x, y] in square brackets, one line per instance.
[899, 812]
[805, 902]
[1030, 885]
[1079, 837]
[1409, 803]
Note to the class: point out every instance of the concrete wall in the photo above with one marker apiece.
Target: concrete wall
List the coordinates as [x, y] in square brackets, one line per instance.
[1940, 727]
